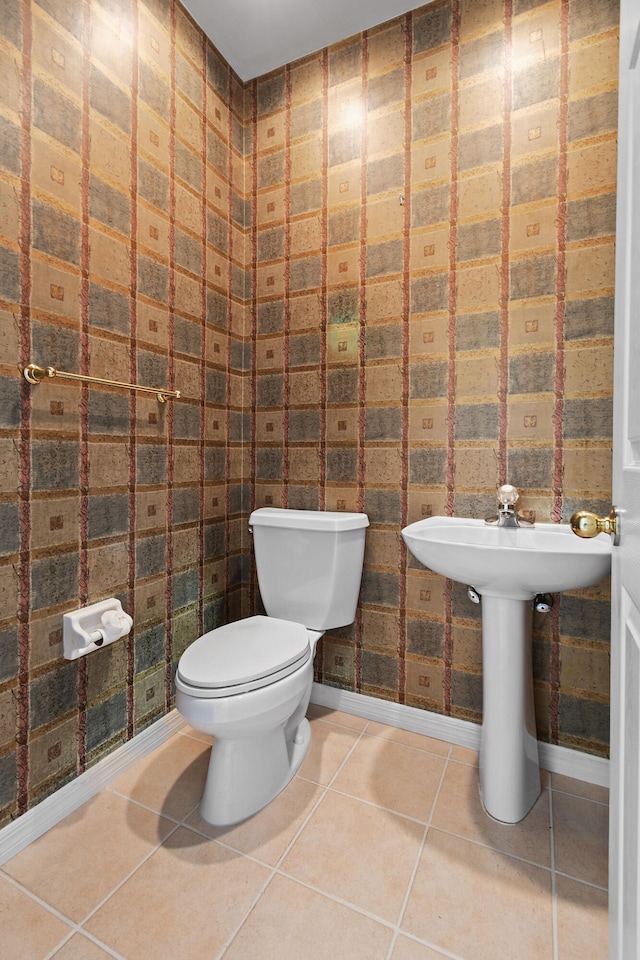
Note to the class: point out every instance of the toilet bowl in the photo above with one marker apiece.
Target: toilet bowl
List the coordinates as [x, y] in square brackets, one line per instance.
[248, 683]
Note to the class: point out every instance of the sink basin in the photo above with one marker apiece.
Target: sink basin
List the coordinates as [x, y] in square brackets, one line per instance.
[508, 566]
[515, 563]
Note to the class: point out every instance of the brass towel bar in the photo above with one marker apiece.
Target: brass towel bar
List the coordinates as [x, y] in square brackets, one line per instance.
[35, 374]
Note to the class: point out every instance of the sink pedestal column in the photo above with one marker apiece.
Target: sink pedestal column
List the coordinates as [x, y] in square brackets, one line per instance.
[509, 770]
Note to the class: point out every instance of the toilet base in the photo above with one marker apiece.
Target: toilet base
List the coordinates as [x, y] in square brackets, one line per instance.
[253, 771]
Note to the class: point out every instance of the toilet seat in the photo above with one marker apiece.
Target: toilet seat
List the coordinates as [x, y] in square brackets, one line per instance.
[242, 656]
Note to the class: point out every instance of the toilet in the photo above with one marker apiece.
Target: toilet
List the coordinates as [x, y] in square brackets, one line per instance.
[248, 683]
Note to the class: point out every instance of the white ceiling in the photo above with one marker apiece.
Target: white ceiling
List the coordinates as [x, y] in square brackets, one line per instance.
[256, 36]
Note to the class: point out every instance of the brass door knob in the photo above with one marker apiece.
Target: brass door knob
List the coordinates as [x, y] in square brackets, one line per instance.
[587, 524]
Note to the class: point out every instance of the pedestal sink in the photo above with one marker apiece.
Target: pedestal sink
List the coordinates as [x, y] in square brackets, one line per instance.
[508, 567]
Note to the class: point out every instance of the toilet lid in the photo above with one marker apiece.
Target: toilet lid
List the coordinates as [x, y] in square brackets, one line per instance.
[245, 654]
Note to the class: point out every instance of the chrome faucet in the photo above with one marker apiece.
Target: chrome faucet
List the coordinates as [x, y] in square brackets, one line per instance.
[507, 516]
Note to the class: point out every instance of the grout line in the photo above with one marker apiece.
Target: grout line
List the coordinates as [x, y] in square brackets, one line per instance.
[273, 869]
[586, 883]
[144, 806]
[60, 945]
[489, 846]
[441, 951]
[43, 903]
[389, 924]
[554, 892]
[416, 864]
[75, 927]
[122, 882]
[336, 723]
[348, 754]
[378, 806]
[578, 796]
[409, 746]
[276, 868]
[246, 915]
[193, 735]
[325, 789]
[240, 854]
[103, 946]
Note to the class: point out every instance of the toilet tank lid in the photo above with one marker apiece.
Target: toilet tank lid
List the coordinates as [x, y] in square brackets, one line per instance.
[308, 519]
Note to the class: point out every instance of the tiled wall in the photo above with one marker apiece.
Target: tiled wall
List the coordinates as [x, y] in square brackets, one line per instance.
[121, 184]
[434, 215]
[159, 220]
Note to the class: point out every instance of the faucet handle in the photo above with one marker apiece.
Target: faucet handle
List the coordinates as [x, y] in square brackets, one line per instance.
[507, 494]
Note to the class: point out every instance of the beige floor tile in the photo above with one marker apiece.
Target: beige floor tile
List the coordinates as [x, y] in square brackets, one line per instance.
[479, 904]
[291, 922]
[27, 930]
[267, 835]
[358, 853]
[185, 901]
[590, 791]
[583, 928]
[170, 780]
[409, 739]
[317, 712]
[406, 949]
[392, 775]
[77, 863]
[329, 746]
[459, 810]
[581, 840]
[464, 755]
[188, 731]
[81, 948]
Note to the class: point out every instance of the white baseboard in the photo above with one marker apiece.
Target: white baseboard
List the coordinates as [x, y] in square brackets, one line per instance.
[36, 821]
[561, 760]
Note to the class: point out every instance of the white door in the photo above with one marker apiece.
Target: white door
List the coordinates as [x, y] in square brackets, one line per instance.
[624, 856]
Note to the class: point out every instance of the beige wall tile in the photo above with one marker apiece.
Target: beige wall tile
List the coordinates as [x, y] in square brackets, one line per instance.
[535, 132]
[536, 37]
[431, 160]
[306, 158]
[431, 73]
[533, 228]
[344, 184]
[594, 66]
[270, 206]
[474, 18]
[531, 323]
[271, 131]
[55, 291]
[479, 194]
[531, 419]
[591, 268]
[424, 685]
[386, 46]
[592, 167]
[589, 369]
[112, 153]
[587, 470]
[428, 335]
[428, 421]
[478, 287]
[429, 249]
[384, 299]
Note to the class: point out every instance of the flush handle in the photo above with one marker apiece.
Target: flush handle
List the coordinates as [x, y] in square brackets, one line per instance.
[586, 524]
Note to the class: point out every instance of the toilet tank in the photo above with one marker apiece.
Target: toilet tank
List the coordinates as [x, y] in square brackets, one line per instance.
[309, 564]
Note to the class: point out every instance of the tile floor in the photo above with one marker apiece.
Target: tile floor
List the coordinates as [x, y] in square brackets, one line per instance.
[378, 850]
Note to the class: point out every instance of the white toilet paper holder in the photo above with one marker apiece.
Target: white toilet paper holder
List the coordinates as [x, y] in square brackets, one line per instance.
[93, 627]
